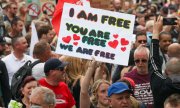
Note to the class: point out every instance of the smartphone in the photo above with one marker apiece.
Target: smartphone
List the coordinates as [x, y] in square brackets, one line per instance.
[169, 21]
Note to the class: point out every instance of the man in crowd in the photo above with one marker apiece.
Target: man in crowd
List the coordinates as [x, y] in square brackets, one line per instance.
[17, 28]
[174, 50]
[141, 76]
[44, 33]
[54, 71]
[164, 41]
[117, 4]
[42, 52]
[11, 11]
[162, 87]
[42, 97]
[119, 95]
[5, 95]
[141, 39]
[17, 58]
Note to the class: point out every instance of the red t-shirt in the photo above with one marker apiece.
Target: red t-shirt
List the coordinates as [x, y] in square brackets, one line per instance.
[64, 98]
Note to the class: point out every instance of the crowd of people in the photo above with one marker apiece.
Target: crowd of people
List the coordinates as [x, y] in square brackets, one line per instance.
[151, 79]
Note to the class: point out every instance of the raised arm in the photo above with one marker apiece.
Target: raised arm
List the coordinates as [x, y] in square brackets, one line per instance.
[98, 72]
[154, 50]
[84, 95]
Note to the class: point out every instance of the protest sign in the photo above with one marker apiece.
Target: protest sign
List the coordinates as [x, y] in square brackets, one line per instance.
[48, 6]
[87, 32]
[36, 8]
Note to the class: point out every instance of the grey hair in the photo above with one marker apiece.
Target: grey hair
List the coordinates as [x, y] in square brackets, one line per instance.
[46, 93]
[142, 49]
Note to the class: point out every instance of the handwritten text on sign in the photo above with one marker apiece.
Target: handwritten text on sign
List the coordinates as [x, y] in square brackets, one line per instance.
[87, 32]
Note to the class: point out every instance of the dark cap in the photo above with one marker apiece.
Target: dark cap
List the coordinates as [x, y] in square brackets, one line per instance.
[2, 40]
[117, 88]
[54, 63]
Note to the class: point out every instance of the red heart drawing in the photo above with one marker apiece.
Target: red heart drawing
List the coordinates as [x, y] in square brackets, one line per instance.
[75, 43]
[66, 39]
[76, 37]
[124, 41]
[115, 36]
[123, 49]
[113, 44]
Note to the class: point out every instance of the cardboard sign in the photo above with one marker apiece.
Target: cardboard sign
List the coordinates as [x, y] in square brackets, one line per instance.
[87, 32]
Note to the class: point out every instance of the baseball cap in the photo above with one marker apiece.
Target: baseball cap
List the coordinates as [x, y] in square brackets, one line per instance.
[118, 87]
[54, 63]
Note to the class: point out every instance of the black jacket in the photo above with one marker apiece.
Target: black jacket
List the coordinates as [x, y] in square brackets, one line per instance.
[4, 82]
[161, 87]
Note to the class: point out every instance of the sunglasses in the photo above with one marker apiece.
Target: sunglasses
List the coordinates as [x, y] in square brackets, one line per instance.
[60, 68]
[142, 41]
[142, 61]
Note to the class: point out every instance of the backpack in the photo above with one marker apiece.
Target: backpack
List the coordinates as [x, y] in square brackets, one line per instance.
[19, 76]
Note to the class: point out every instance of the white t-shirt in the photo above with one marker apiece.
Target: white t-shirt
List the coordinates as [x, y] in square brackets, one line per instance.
[13, 64]
[38, 71]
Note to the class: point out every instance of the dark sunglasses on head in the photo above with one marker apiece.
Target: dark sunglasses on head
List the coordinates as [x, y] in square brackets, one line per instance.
[140, 41]
[142, 60]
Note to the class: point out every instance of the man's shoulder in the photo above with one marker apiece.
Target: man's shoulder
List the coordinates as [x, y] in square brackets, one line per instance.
[41, 80]
[63, 84]
[7, 58]
[28, 57]
[131, 73]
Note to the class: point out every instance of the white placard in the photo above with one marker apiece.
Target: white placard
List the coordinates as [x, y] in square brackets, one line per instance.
[87, 32]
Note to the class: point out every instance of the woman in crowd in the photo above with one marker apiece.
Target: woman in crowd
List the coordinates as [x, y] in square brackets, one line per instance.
[99, 89]
[28, 84]
[99, 94]
[75, 71]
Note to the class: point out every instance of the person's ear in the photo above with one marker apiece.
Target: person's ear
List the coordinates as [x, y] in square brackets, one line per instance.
[22, 90]
[110, 102]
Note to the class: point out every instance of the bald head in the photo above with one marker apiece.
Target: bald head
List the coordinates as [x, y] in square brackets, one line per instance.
[117, 5]
[173, 66]
[174, 50]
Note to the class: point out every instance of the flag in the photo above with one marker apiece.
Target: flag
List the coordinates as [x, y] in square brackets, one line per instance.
[56, 20]
[34, 38]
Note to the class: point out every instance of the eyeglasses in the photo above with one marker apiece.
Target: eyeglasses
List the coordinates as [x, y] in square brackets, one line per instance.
[142, 61]
[142, 41]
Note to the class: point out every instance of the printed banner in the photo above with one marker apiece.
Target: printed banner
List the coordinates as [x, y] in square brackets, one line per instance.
[88, 32]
